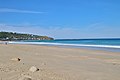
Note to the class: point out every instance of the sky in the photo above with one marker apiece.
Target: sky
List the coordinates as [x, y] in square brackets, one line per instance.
[62, 19]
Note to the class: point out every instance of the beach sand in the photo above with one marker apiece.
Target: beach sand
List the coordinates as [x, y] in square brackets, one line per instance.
[57, 63]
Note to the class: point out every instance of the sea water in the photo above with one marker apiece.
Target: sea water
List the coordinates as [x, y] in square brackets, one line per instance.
[104, 44]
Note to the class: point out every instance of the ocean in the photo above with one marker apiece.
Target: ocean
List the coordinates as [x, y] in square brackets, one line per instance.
[99, 44]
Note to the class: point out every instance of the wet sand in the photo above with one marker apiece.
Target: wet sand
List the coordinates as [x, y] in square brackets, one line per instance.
[57, 63]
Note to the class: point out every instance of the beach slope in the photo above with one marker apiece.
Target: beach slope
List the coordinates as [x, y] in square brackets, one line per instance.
[57, 63]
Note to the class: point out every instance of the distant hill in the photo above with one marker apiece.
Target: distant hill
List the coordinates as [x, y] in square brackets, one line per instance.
[10, 36]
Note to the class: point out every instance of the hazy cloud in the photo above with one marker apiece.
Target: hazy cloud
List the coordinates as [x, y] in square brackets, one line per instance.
[9, 10]
[65, 32]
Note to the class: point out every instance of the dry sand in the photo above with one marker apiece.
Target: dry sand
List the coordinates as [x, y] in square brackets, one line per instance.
[56, 63]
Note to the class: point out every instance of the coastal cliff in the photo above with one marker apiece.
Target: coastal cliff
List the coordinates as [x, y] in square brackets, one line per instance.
[10, 36]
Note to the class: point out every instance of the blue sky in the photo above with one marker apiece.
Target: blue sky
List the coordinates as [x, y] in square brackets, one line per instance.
[62, 18]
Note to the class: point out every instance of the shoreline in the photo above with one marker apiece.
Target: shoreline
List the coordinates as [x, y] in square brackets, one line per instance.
[110, 48]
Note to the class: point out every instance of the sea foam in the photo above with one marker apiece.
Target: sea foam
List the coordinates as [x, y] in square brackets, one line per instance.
[63, 44]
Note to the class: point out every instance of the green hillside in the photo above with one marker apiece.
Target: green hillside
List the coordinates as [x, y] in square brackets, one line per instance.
[18, 36]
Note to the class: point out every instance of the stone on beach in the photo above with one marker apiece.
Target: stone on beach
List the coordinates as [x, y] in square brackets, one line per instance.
[33, 69]
[15, 59]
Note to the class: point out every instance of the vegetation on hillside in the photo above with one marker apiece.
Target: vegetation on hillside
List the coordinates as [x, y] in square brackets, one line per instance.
[18, 36]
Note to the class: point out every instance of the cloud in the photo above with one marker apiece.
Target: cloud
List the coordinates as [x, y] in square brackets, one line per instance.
[9, 10]
[95, 25]
[65, 32]
[56, 32]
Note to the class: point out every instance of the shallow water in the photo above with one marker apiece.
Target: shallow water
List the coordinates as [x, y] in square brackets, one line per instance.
[99, 44]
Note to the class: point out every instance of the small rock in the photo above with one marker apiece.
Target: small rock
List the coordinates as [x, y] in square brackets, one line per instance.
[33, 69]
[16, 59]
[43, 63]
[25, 78]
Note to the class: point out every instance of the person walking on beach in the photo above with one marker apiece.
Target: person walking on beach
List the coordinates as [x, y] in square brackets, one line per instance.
[6, 43]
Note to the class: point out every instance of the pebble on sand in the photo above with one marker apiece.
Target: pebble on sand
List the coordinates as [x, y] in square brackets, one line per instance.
[15, 59]
[33, 69]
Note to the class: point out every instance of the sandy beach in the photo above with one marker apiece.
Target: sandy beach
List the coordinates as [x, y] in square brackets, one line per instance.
[57, 63]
